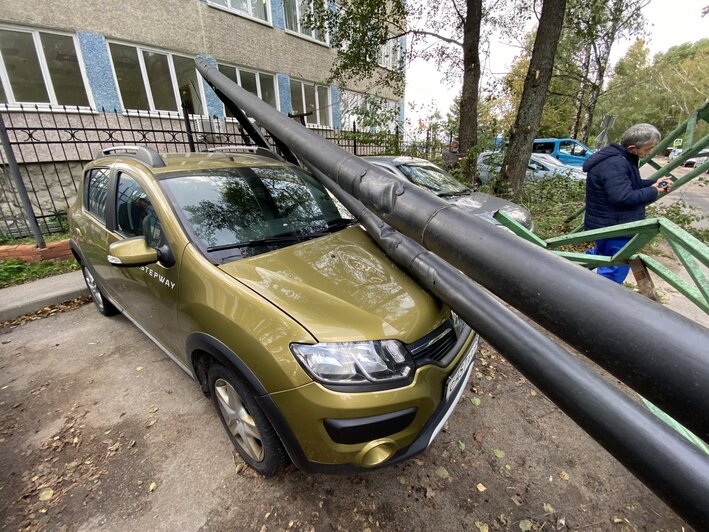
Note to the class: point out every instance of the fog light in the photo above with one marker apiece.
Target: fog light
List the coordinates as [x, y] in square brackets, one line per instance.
[375, 452]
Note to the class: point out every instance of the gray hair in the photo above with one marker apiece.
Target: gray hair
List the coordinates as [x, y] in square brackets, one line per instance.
[640, 135]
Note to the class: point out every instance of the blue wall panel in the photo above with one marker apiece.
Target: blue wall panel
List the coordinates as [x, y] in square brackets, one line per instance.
[335, 98]
[215, 107]
[278, 14]
[97, 62]
[284, 93]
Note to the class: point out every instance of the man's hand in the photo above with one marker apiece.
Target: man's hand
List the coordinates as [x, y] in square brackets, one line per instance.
[663, 185]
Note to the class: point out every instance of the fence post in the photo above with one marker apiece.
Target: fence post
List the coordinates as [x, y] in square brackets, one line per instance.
[22, 191]
[188, 127]
[354, 136]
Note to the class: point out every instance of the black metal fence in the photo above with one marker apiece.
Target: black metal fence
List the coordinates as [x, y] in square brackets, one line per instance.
[51, 148]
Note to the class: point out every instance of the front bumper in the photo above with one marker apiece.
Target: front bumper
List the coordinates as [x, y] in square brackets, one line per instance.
[372, 429]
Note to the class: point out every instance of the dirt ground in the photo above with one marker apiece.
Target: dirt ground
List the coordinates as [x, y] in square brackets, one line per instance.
[99, 429]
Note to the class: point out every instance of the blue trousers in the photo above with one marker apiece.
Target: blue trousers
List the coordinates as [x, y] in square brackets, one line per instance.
[609, 247]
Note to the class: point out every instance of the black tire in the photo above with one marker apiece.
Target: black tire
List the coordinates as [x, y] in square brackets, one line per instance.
[103, 305]
[248, 428]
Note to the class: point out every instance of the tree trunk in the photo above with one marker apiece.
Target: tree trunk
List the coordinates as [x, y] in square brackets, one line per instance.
[602, 52]
[581, 94]
[468, 127]
[529, 113]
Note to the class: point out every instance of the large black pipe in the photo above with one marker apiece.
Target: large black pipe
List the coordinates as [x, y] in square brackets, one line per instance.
[662, 355]
[669, 465]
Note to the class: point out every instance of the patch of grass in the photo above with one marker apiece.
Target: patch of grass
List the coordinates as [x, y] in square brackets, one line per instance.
[13, 271]
[51, 237]
[551, 201]
[683, 215]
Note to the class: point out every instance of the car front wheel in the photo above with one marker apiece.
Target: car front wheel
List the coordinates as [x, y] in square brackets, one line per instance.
[104, 306]
[245, 423]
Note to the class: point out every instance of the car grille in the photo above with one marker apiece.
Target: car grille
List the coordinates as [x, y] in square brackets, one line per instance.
[436, 347]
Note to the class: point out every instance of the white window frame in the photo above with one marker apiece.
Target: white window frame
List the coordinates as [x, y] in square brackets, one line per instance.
[316, 114]
[46, 77]
[386, 57]
[239, 12]
[299, 31]
[356, 100]
[146, 82]
[258, 73]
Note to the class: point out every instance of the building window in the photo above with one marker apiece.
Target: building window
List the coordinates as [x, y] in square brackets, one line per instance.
[150, 80]
[295, 11]
[313, 100]
[369, 112]
[253, 8]
[39, 67]
[390, 54]
[258, 83]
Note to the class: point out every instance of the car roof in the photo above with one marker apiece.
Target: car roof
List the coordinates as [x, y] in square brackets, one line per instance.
[167, 164]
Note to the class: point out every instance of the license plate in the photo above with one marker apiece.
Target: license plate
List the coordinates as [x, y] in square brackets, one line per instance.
[460, 371]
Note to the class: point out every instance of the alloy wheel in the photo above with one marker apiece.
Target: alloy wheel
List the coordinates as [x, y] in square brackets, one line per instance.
[238, 420]
[93, 288]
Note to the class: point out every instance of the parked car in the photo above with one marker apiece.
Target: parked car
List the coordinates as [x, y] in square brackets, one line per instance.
[540, 166]
[569, 151]
[674, 153]
[698, 160]
[433, 178]
[312, 344]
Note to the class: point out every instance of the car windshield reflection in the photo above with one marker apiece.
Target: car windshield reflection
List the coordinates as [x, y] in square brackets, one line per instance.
[259, 208]
[433, 179]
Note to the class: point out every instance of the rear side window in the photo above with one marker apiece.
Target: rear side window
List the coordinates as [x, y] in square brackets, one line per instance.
[543, 147]
[97, 191]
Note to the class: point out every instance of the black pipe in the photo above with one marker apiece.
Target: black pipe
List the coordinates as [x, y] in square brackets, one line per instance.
[252, 131]
[188, 127]
[657, 352]
[665, 462]
[27, 208]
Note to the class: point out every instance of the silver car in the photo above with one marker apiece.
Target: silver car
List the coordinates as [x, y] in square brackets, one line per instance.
[427, 175]
[540, 166]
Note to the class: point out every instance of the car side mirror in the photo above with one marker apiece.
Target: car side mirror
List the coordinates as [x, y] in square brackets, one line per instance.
[132, 252]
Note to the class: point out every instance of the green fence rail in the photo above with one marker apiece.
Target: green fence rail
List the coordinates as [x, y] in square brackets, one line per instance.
[691, 252]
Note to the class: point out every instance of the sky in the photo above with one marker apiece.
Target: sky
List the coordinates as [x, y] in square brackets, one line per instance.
[670, 22]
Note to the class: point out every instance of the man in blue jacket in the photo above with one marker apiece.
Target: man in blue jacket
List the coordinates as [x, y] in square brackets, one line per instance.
[615, 193]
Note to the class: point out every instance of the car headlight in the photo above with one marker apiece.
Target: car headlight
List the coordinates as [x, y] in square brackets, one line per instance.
[371, 362]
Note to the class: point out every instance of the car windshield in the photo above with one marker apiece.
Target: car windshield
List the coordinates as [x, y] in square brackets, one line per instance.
[432, 178]
[548, 159]
[239, 212]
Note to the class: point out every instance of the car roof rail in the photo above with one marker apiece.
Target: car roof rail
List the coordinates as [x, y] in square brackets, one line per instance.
[144, 154]
[255, 150]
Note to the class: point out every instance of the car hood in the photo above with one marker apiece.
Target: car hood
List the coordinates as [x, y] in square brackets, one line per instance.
[342, 287]
[485, 206]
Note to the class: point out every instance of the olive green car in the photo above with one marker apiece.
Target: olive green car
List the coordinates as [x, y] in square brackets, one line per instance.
[313, 345]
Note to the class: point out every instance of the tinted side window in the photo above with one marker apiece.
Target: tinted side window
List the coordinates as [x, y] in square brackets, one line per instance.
[566, 146]
[135, 213]
[543, 147]
[97, 191]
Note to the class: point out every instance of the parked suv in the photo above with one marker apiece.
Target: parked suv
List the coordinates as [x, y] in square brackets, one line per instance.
[570, 152]
[312, 344]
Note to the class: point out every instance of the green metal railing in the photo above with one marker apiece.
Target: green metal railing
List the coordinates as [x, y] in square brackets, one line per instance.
[692, 253]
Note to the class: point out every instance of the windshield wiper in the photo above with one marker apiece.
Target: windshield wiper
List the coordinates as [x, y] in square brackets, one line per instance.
[456, 193]
[257, 242]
